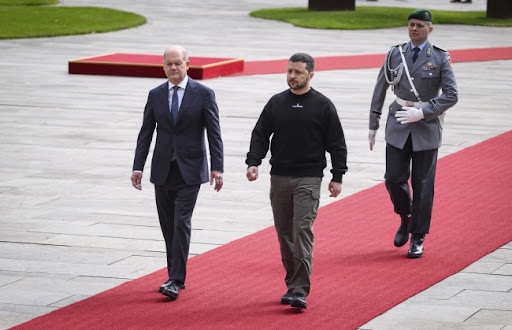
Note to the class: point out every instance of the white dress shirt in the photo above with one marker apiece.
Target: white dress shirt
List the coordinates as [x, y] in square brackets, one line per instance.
[181, 91]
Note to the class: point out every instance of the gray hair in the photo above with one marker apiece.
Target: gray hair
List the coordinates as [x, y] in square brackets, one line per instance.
[184, 53]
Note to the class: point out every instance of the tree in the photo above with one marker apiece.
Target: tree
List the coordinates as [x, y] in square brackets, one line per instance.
[497, 8]
[325, 5]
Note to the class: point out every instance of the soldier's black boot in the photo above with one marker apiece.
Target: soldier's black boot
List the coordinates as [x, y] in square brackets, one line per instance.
[402, 236]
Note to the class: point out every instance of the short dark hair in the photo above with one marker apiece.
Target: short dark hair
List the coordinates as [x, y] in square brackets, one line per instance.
[304, 58]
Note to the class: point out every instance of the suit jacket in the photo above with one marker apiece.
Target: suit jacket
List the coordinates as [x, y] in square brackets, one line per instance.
[183, 140]
[433, 77]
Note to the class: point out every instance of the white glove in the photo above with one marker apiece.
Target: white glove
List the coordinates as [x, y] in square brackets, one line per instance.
[371, 137]
[409, 115]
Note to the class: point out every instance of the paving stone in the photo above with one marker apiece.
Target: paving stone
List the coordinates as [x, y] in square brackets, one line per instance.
[23, 237]
[75, 285]
[66, 268]
[42, 297]
[104, 242]
[491, 317]
[24, 309]
[427, 325]
[437, 292]
[478, 282]
[483, 299]
[4, 280]
[409, 312]
[500, 255]
[69, 300]
[483, 267]
[38, 252]
[143, 262]
[504, 270]
[100, 229]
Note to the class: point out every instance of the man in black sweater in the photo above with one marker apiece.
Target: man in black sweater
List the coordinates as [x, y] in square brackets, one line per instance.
[303, 124]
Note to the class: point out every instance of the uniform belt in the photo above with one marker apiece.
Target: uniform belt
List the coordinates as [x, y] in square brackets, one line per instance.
[406, 103]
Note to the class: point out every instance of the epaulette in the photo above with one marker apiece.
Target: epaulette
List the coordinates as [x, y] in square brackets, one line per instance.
[402, 44]
[444, 50]
[396, 46]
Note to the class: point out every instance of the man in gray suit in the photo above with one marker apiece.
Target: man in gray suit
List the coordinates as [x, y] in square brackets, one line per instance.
[180, 110]
[422, 78]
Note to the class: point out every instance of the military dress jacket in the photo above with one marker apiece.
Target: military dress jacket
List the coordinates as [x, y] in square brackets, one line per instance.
[432, 75]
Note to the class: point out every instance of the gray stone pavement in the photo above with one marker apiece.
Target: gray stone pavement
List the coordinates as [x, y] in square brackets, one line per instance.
[72, 226]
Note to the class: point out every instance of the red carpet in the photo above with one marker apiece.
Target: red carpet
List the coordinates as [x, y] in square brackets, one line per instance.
[348, 62]
[140, 65]
[357, 273]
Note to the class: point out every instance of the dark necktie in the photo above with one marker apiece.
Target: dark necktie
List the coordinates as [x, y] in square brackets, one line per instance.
[174, 104]
[416, 50]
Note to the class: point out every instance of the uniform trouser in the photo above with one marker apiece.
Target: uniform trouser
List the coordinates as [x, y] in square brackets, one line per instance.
[175, 203]
[295, 202]
[398, 170]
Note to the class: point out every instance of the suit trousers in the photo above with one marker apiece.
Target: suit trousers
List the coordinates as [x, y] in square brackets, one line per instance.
[175, 201]
[295, 202]
[398, 171]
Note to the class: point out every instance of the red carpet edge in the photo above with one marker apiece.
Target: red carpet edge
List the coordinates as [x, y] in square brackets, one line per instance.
[357, 275]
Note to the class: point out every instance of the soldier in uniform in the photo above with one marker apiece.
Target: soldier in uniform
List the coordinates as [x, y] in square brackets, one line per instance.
[421, 76]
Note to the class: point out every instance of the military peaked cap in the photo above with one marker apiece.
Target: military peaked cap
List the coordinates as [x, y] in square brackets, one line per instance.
[422, 15]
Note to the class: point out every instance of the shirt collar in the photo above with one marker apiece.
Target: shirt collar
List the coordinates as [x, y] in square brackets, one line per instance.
[420, 46]
[182, 84]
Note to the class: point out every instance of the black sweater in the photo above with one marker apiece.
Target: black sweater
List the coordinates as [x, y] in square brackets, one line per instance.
[303, 127]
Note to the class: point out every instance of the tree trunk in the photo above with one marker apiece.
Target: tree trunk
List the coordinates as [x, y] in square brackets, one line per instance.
[497, 8]
[327, 5]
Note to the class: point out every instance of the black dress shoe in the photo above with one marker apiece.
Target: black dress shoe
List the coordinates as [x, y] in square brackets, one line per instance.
[172, 290]
[299, 301]
[402, 235]
[287, 298]
[455, 1]
[416, 247]
[166, 284]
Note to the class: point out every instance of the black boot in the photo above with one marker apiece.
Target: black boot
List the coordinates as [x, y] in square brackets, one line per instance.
[402, 236]
[416, 247]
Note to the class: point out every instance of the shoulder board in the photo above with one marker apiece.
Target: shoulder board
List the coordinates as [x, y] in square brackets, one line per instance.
[444, 50]
[396, 46]
[402, 44]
